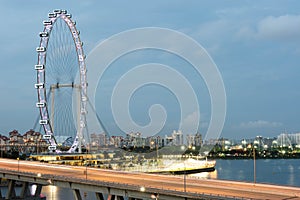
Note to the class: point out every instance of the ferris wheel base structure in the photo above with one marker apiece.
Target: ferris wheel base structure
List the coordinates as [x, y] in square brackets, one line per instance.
[61, 75]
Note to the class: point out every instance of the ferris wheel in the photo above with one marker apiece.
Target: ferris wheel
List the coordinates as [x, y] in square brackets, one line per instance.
[61, 81]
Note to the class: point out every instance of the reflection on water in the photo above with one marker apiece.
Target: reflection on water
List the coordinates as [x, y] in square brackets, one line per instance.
[291, 176]
[205, 175]
[57, 193]
[274, 171]
[33, 189]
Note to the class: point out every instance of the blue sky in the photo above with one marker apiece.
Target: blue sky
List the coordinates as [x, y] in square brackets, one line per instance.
[255, 45]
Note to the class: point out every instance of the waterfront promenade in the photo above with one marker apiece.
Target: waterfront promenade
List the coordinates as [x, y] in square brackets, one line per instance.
[138, 185]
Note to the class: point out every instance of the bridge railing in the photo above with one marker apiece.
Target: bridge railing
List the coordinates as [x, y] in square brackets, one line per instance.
[51, 179]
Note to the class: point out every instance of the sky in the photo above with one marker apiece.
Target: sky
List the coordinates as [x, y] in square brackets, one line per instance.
[255, 46]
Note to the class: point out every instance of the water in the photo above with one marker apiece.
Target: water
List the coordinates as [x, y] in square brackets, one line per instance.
[273, 171]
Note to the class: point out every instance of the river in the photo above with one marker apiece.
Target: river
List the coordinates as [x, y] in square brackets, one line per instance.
[273, 171]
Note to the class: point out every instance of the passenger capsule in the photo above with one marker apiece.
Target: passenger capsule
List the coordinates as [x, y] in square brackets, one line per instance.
[40, 104]
[39, 85]
[57, 11]
[41, 49]
[52, 148]
[46, 23]
[84, 98]
[39, 67]
[47, 137]
[44, 121]
[51, 15]
[81, 58]
[43, 34]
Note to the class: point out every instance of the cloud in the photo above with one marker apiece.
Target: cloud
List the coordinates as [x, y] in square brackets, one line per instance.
[210, 34]
[283, 28]
[190, 122]
[192, 118]
[260, 124]
[213, 30]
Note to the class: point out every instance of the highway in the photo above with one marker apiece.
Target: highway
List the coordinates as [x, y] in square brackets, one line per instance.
[165, 182]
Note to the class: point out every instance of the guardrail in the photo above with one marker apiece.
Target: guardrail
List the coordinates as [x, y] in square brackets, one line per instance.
[51, 179]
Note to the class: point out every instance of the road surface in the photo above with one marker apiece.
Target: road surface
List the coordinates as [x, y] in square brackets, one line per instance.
[166, 182]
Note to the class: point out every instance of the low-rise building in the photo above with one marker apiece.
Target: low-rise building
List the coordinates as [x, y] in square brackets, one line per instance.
[4, 143]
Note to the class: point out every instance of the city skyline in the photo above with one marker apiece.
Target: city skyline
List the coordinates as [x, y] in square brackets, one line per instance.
[176, 137]
[255, 46]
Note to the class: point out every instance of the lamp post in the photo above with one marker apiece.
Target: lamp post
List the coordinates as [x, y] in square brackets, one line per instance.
[18, 164]
[184, 179]
[36, 146]
[184, 172]
[86, 164]
[254, 166]
[142, 189]
[156, 145]
[86, 171]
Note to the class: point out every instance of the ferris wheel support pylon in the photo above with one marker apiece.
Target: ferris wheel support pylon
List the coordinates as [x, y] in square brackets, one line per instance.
[46, 115]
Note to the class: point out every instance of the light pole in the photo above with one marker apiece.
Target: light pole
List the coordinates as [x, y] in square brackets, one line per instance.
[142, 189]
[184, 172]
[184, 177]
[86, 172]
[18, 164]
[86, 165]
[36, 146]
[156, 151]
[254, 165]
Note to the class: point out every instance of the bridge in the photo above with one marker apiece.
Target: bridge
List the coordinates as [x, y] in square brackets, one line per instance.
[129, 185]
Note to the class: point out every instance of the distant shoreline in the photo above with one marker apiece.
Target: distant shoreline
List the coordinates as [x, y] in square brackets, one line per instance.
[251, 158]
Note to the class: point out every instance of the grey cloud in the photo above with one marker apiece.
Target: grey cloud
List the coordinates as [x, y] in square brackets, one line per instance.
[281, 28]
[260, 124]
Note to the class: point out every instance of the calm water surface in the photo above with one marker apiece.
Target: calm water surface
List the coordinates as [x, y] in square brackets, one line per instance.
[274, 171]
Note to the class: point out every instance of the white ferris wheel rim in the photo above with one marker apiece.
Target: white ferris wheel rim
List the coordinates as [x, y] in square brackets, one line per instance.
[41, 77]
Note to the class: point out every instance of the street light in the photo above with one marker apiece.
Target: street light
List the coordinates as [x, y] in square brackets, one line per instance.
[184, 172]
[156, 151]
[142, 189]
[184, 177]
[156, 148]
[86, 169]
[18, 164]
[86, 172]
[86, 162]
[254, 166]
